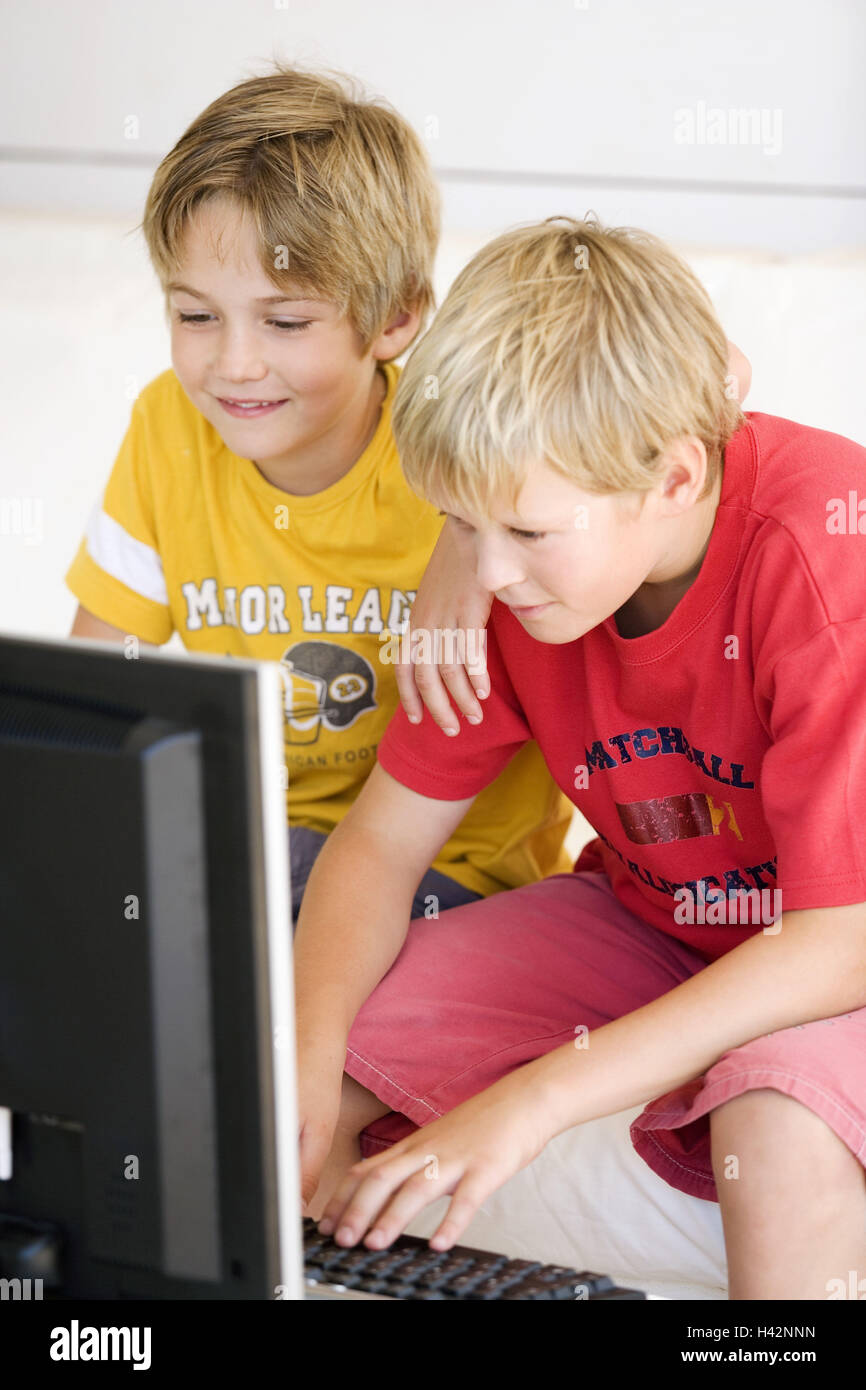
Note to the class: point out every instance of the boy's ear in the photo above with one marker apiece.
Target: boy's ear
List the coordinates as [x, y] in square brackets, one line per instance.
[397, 334]
[685, 464]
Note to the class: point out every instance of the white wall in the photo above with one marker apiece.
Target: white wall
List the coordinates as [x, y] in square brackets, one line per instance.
[528, 109]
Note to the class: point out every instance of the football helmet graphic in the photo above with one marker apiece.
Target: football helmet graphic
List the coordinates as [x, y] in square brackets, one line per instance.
[325, 684]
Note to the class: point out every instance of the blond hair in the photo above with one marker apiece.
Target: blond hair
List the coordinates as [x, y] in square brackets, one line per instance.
[588, 347]
[338, 186]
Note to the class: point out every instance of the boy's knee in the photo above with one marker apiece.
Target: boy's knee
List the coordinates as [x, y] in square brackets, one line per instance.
[770, 1131]
[749, 1109]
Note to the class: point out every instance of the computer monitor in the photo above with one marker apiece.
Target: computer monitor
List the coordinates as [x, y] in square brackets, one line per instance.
[146, 995]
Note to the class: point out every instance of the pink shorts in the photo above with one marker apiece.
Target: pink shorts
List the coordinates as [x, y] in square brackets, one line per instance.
[493, 984]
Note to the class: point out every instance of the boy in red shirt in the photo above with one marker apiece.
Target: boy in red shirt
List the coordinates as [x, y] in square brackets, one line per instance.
[678, 620]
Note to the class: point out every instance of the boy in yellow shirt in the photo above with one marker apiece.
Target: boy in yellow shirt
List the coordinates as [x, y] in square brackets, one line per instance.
[257, 505]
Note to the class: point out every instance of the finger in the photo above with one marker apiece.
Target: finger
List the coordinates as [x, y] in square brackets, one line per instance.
[480, 681]
[434, 693]
[476, 665]
[314, 1149]
[437, 685]
[365, 1189]
[411, 701]
[474, 1188]
[455, 678]
[460, 681]
[352, 1180]
[415, 1193]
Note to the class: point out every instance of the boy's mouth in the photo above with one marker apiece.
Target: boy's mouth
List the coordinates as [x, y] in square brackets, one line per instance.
[248, 409]
[531, 611]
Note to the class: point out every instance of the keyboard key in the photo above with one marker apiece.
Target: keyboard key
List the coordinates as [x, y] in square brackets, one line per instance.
[551, 1274]
[595, 1284]
[494, 1285]
[329, 1258]
[462, 1284]
[520, 1267]
[443, 1272]
[394, 1289]
[422, 1265]
[357, 1259]
[383, 1261]
[537, 1287]
[372, 1285]
[538, 1296]
[490, 1264]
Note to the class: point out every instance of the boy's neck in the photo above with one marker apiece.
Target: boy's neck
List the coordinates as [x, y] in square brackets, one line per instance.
[329, 458]
[651, 606]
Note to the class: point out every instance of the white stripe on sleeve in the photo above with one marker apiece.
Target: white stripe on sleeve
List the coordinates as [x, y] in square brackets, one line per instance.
[135, 564]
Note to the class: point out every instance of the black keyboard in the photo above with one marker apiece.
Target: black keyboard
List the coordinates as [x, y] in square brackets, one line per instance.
[408, 1268]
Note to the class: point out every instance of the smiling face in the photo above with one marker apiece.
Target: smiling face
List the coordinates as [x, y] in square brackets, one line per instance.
[566, 559]
[315, 394]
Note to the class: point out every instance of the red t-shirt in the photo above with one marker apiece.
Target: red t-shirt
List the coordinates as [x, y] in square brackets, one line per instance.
[726, 750]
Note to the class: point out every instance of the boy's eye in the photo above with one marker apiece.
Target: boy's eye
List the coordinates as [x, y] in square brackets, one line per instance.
[524, 535]
[289, 327]
[284, 324]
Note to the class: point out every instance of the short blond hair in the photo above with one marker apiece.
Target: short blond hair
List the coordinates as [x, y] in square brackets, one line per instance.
[338, 185]
[587, 347]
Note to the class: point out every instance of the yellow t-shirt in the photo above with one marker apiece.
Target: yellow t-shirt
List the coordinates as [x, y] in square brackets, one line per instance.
[190, 536]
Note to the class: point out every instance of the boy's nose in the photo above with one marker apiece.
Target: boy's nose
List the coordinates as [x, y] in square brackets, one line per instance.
[238, 360]
[498, 565]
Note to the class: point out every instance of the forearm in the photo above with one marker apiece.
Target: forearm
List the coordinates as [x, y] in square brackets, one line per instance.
[352, 925]
[812, 969]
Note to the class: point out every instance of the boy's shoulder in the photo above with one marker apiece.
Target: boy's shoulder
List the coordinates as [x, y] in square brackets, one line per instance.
[807, 512]
[799, 468]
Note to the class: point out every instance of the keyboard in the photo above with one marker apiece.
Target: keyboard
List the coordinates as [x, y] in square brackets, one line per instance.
[409, 1269]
